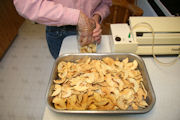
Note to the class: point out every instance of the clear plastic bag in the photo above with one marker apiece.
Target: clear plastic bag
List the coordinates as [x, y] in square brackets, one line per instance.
[86, 42]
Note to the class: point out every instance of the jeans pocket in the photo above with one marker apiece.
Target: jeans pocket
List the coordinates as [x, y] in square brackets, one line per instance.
[54, 34]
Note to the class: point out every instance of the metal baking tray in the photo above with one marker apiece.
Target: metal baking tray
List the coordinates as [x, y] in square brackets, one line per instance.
[72, 57]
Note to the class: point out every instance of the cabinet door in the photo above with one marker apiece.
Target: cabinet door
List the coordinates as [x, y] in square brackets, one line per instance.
[10, 23]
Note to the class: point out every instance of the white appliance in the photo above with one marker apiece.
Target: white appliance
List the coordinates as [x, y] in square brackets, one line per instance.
[166, 32]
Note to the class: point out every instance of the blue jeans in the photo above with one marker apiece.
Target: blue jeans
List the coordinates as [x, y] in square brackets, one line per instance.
[55, 36]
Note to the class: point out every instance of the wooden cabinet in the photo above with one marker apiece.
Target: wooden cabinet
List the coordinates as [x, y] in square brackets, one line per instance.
[10, 23]
[120, 12]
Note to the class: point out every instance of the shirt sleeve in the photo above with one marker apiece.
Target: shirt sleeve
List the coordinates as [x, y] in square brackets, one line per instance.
[103, 9]
[47, 12]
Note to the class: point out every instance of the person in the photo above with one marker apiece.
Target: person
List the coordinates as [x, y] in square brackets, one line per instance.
[62, 17]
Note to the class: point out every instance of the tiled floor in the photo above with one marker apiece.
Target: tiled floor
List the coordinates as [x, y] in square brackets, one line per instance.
[24, 75]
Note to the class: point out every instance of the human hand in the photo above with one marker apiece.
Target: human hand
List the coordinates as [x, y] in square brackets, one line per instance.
[85, 28]
[83, 21]
[97, 31]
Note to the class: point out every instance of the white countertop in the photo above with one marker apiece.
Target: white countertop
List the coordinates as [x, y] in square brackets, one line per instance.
[165, 81]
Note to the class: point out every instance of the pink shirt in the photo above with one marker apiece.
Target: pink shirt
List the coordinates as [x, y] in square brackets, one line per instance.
[61, 12]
